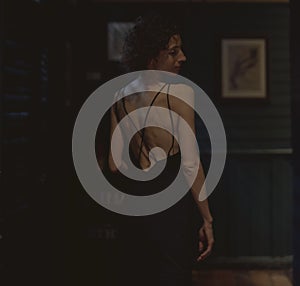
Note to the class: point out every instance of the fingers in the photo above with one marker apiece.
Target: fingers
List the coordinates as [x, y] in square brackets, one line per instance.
[205, 235]
[205, 254]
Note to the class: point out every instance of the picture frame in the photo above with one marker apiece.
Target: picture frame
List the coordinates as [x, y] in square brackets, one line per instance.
[116, 32]
[244, 69]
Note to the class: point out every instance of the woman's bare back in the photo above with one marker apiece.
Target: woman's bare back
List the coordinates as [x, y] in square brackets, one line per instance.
[141, 144]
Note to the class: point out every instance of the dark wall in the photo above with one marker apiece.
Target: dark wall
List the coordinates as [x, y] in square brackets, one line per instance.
[253, 200]
[252, 203]
[247, 126]
[295, 63]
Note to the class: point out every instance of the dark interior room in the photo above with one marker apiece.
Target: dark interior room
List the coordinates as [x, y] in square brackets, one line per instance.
[55, 54]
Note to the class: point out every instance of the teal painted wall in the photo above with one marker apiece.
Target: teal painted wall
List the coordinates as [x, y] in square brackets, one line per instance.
[252, 205]
[247, 126]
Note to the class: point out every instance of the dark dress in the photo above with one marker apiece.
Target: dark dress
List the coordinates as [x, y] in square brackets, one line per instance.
[158, 249]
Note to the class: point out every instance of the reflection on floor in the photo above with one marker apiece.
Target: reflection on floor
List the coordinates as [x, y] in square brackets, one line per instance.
[237, 277]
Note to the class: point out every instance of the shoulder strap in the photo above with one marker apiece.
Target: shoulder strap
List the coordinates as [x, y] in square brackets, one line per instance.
[143, 130]
[172, 123]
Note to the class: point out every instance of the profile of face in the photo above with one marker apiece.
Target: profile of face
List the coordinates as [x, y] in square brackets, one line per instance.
[171, 58]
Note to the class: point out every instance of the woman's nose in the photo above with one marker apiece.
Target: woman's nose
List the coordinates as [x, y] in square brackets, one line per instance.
[182, 57]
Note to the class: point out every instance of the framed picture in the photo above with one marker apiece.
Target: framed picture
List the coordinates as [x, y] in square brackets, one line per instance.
[116, 32]
[243, 68]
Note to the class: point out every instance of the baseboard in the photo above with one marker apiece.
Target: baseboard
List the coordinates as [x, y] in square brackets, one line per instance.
[253, 262]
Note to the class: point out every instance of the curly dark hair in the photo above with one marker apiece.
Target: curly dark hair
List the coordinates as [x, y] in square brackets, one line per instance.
[150, 34]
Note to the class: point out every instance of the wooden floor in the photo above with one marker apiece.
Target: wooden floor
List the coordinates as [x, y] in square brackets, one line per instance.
[230, 277]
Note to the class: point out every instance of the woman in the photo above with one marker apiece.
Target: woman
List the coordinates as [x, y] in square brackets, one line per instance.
[160, 248]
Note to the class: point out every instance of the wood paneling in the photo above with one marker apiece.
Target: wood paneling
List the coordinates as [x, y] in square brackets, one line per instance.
[247, 125]
[252, 206]
[295, 64]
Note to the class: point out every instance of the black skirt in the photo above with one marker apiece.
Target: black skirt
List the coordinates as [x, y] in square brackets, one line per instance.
[159, 249]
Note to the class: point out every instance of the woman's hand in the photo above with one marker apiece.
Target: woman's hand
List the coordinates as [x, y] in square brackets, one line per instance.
[206, 240]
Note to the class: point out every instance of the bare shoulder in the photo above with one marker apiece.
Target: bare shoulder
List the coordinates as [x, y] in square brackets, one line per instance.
[183, 97]
[181, 87]
[126, 90]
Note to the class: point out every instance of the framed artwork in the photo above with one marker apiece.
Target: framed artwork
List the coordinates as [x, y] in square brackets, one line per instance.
[116, 32]
[243, 68]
